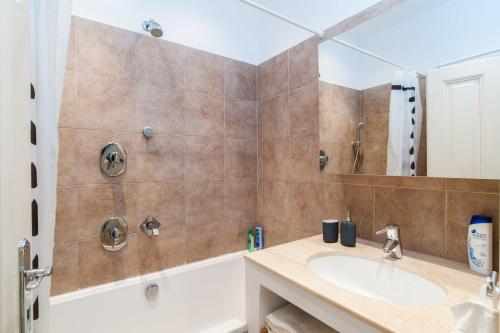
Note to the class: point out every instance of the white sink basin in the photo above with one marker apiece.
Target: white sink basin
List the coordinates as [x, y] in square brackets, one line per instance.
[376, 279]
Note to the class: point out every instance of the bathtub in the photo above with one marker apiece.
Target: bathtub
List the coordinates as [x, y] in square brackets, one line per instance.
[207, 296]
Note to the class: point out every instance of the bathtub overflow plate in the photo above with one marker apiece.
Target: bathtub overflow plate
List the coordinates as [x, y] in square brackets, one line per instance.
[151, 291]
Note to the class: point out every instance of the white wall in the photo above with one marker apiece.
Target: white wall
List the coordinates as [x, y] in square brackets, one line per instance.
[226, 27]
[346, 67]
[419, 34]
[425, 33]
[276, 36]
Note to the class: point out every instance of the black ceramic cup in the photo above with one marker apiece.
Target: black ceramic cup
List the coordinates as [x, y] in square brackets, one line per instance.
[330, 231]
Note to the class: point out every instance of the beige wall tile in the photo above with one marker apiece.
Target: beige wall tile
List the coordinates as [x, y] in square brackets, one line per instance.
[275, 117]
[160, 158]
[204, 115]
[240, 119]
[276, 199]
[377, 129]
[275, 159]
[346, 101]
[374, 159]
[66, 215]
[241, 80]
[472, 185]
[304, 165]
[351, 179]
[204, 202]
[71, 56]
[236, 233]
[160, 108]
[326, 133]
[97, 203]
[240, 198]
[160, 62]
[358, 199]
[339, 113]
[163, 201]
[105, 103]
[411, 182]
[340, 158]
[342, 130]
[65, 275]
[304, 110]
[68, 116]
[376, 100]
[66, 163]
[204, 158]
[419, 213]
[307, 208]
[304, 68]
[98, 266]
[205, 241]
[163, 251]
[276, 232]
[204, 72]
[273, 76]
[460, 208]
[89, 146]
[105, 50]
[241, 158]
[326, 96]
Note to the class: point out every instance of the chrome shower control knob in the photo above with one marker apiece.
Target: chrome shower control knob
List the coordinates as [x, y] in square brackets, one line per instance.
[151, 291]
[113, 159]
[114, 234]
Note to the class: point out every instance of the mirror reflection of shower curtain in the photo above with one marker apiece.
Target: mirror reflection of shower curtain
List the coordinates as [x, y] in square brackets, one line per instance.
[405, 122]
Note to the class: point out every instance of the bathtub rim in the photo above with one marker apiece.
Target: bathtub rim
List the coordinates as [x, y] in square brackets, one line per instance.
[90, 291]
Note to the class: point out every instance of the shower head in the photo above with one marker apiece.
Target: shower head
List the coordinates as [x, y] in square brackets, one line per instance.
[360, 125]
[153, 27]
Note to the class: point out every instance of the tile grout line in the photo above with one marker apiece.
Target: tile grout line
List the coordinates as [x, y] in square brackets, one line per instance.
[289, 187]
[76, 159]
[224, 145]
[445, 252]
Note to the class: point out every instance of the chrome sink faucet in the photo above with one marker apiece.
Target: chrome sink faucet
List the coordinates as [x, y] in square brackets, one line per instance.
[392, 245]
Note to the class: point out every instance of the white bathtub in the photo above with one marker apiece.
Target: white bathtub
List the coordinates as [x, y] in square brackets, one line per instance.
[207, 296]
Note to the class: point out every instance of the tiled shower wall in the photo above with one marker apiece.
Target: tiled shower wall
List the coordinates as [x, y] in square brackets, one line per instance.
[342, 108]
[290, 186]
[197, 175]
[294, 196]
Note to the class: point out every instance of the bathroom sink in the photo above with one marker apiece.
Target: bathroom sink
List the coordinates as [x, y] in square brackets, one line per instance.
[377, 279]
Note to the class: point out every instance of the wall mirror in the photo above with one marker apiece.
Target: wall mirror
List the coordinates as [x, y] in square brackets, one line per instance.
[410, 94]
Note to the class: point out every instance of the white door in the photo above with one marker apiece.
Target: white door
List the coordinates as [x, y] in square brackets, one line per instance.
[15, 153]
[463, 116]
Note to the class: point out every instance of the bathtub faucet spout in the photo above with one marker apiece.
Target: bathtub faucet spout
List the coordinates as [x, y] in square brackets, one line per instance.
[151, 226]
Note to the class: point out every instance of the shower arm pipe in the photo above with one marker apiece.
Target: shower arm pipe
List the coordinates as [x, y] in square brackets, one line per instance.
[321, 34]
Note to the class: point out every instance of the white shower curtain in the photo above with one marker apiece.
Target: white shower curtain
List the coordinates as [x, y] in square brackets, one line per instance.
[51, 20]
[405, 122]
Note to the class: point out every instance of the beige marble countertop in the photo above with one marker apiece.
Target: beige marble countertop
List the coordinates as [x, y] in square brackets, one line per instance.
[289, 261]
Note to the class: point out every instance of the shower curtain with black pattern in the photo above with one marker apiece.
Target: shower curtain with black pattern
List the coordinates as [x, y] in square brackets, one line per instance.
[405, 122]
[51, 21]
